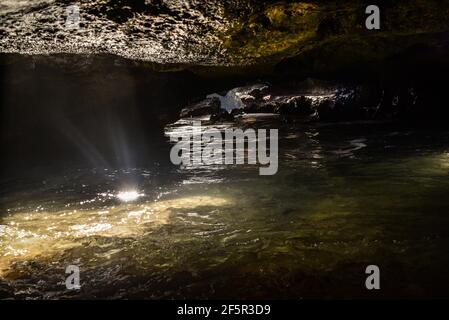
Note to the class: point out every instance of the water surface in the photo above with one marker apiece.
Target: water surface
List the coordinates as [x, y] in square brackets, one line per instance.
[346, 195]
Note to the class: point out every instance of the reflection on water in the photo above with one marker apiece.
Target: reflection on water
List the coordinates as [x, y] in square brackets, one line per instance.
[127, 196]
[29, 235]
[345, 196]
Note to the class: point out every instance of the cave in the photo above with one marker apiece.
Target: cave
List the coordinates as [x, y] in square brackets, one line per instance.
[90, 104]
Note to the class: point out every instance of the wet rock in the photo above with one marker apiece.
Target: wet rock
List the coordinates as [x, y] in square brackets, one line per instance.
[237, 112]
[222, 116]
[344, 106]
[284, 105]
[248, 100]
[327, 102]
[208, 106]
[261, 107]
[259, 92]
[300, 106]
[325, 110]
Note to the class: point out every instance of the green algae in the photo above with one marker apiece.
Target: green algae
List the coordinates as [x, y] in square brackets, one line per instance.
[332, 29]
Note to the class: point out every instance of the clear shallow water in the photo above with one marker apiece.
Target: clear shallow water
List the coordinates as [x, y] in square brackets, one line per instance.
[345, 196]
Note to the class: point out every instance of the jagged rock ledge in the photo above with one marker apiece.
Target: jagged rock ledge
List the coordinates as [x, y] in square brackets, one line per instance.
[314, 100]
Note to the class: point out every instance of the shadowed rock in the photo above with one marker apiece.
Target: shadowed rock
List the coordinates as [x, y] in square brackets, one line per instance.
[204, 107]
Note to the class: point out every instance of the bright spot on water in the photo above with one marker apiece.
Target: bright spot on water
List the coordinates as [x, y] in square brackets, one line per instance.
[127, 196]
[28, 236]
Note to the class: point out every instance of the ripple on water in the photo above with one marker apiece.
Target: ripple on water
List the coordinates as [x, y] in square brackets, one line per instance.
[304, 225]
[29, 235]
